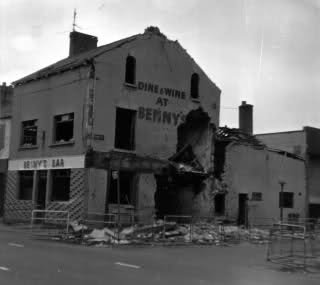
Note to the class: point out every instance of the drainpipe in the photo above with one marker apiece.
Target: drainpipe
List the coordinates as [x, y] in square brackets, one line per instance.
[89, 107]
[88, 118]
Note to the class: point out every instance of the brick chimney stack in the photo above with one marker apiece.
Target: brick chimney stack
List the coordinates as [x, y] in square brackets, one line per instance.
[80, 43]
[246, 118]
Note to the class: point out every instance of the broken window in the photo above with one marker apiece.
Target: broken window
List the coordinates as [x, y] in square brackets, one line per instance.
[286, 200]
[126, 188]
[256, 196]
[29, 133]
[194, 91]
[130, 70]
[25, 185]
[125, 129]
[219, 204]
[60, 185]
[63, 128]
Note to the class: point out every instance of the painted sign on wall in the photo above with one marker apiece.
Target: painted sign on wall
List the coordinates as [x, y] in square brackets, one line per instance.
[158, 115]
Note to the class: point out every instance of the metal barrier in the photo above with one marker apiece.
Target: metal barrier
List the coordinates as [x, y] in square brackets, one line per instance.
[291, 245]
[48, 223]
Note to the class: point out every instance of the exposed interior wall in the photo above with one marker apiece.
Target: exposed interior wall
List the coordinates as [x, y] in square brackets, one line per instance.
[249, 170]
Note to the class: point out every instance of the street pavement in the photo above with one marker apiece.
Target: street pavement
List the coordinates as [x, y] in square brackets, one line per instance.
[24, 260]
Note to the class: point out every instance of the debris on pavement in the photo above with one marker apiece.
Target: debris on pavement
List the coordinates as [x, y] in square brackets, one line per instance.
[168, 233]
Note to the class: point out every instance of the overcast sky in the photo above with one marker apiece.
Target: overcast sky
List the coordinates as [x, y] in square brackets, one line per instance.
[266, 52]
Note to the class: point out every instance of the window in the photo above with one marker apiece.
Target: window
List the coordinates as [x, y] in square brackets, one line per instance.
[125, 129]
[194, 91]
[130, 70]
[297, 149]
[25, 185]
[63, 128]
[286, 200]
[60, 186]
[126, 188]
[29, 133]
[256, 196]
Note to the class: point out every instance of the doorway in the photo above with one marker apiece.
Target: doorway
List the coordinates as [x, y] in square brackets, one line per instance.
[243, 208]
[219, 204]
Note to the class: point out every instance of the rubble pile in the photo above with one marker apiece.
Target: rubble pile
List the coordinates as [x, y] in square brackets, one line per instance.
[166, 232]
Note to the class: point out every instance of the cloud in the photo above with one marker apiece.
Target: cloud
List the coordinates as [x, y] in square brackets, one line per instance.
[23, 43]
[174, 6]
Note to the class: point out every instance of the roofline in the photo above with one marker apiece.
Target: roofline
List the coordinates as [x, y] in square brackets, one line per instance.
[84, 62]
[275, 133]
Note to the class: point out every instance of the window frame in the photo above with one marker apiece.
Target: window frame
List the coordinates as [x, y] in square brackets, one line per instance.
[132, 130]
[55, 123]
[52, 195]
[130, 73]
[22, 136]
[194, 86]
[19, 196]
[256, 196]
[283, 200]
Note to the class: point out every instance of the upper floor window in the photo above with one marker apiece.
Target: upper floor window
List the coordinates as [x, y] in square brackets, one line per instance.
[130, 70]
[29, 133]
[194, 90]
[125, 129]
[63, 128]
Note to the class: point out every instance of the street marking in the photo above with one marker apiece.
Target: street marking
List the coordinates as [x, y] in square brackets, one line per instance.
[128, 265]
[4, 268]
[15, 244]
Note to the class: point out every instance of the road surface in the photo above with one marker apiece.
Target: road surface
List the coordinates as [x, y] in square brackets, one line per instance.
[24, 260]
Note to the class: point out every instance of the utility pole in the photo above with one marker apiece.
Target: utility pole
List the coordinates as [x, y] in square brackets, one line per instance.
[282, 183]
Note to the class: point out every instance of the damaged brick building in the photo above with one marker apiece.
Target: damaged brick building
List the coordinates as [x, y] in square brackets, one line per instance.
[249, 176]
[127, 123]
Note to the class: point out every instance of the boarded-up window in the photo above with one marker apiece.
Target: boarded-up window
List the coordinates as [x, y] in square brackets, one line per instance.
[125, 129]
[286, 199]
[60, 186]
[25, 185]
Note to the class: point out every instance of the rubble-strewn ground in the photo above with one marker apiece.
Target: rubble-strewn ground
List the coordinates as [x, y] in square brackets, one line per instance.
[25, 260]
[168, 233]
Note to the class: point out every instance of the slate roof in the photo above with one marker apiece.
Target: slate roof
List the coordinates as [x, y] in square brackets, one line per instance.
[74, 61]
